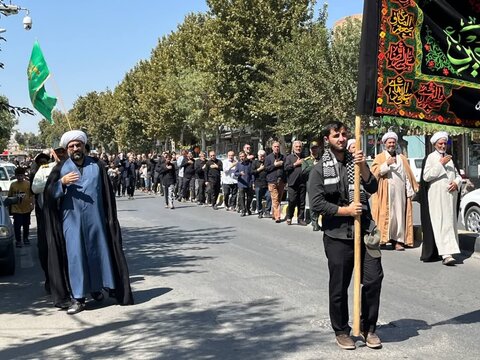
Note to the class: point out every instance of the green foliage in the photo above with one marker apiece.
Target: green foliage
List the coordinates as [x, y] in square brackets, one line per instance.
[7, 122]
[50, 135]
[260, 65]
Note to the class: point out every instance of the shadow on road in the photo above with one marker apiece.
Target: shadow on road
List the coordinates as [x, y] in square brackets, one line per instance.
[168, 250]
[184, 330]
[404, 329]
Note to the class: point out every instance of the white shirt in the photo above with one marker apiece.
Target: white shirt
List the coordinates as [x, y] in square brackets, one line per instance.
[228, 173]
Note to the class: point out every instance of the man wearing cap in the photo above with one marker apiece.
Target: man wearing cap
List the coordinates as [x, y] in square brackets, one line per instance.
[331, 192]
[308, 163]
[82, 223]
[297, 184]
[440, 186]
[392, 207]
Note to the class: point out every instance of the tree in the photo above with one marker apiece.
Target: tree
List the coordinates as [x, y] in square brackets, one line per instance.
[314, 79]
[7, 122]
[249, 32]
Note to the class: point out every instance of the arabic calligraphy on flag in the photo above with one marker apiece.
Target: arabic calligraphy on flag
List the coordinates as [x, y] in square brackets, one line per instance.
[420, 59]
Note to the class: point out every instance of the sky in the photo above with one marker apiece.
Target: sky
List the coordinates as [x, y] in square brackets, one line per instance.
[91, 45]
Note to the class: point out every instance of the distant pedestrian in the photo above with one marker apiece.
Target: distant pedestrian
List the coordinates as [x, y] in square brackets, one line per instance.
[261, 186]
[22, 210]
[229, 181]
[244, 175]
[274, 164]
[213, 172]
[169, 179]
[297, 184]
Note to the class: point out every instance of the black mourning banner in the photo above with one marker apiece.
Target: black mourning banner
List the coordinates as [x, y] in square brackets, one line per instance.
[420, 59]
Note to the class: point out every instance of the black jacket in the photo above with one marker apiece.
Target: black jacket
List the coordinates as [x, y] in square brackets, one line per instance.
[213, 174]
[274, 173]
[199, 170]
[169, 176]
[294, 173]
[327, 204]
[260, 177]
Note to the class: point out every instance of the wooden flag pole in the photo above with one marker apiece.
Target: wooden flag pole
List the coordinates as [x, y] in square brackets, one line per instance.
[358, 229]
[60, 99]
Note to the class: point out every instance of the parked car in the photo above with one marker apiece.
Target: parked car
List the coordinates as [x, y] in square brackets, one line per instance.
[7, 175]
[7, 238]
[470, 211]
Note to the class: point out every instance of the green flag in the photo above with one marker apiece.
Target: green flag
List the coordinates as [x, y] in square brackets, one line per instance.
[38, 73]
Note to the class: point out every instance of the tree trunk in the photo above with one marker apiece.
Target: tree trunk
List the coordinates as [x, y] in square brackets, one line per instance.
[204, 140]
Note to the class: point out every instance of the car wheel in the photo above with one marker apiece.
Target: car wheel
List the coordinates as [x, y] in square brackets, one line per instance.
[472, 219]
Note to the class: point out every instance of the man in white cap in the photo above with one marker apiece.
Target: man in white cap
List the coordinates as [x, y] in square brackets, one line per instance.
[392, 207]
[81, 222]
[439, 203]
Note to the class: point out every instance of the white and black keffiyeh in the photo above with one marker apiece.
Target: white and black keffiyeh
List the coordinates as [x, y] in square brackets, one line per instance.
[331, 177]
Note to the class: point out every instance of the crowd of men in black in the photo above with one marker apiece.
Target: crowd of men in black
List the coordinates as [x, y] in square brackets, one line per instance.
[249, 184]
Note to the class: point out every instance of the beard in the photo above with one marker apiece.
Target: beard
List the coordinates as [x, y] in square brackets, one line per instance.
[77, 156]
[392, 152]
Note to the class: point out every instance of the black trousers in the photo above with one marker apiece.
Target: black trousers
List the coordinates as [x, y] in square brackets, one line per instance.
[200, 190]
[188, 191]
[213, 189]
[296, 199]
[230, 195]
[130, 184]
[245, 197]
[21, 221]
[340, 265]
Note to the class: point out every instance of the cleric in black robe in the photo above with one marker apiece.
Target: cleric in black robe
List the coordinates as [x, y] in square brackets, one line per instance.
[58, 259]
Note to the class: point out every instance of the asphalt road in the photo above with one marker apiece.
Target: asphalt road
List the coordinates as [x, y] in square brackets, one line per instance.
[212, 285]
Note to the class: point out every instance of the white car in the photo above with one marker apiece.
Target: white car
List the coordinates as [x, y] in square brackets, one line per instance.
[7, 175]
[470, 211]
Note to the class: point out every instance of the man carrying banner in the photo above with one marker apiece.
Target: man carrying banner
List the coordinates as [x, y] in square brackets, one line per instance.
[439, 208]
[331, 191]
[392, 207]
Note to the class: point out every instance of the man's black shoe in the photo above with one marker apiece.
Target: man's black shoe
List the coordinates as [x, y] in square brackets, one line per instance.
[215, 207]
[243, 214]
[249, 212]
[76, 307]
[302, 223]
[64, 304]
[97, 296]
[316, 227]
[260, 215]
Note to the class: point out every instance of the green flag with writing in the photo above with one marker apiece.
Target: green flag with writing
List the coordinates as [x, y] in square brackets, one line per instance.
[38, 73]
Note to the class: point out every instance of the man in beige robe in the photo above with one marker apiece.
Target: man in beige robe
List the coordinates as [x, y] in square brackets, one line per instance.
[392, 204]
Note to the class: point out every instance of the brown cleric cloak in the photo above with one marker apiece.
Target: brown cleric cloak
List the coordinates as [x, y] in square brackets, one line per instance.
[380, 205]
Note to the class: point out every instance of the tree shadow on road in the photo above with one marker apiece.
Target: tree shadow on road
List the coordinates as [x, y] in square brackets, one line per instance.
[151, 251]
[183, 330]
[169, 250]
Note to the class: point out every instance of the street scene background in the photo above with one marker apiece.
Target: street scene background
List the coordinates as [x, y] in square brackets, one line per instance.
[214, 285]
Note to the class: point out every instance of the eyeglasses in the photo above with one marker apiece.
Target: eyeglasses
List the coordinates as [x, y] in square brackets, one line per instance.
[76, 145]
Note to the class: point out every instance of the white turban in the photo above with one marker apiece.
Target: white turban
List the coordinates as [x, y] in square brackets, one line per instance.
[438, 135]
[389, 135]
[73, 135]
[350, 142]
